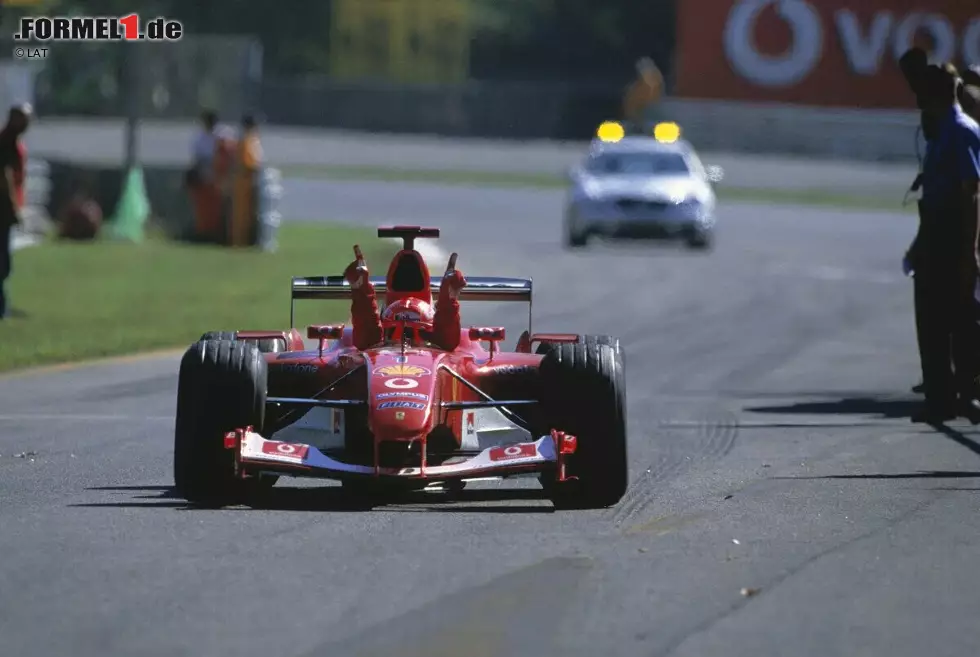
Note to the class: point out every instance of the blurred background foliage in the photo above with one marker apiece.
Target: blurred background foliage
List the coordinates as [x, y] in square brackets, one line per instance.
[510, 39]
[455, 67]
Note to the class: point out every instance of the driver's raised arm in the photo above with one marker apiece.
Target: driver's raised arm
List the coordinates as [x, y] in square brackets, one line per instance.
[447, 327]
[365, 318]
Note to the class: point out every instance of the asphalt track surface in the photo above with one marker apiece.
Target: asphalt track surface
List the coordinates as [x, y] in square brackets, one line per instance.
[781, 502]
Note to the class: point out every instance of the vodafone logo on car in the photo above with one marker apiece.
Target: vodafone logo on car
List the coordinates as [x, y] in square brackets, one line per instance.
[287, 451]
[866, 38]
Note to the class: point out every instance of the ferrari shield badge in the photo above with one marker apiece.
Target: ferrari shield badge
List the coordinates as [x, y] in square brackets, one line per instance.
[399, 415]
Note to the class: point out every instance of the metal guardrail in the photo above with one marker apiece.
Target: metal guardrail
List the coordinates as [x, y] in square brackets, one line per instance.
[269, 218]
[37, 183]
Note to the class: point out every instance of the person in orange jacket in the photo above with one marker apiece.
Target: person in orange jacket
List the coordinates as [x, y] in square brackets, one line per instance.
[440, 327]
[246, 168]
[645, 91]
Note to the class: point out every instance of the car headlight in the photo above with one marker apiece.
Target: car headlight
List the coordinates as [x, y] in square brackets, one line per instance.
[588, 190]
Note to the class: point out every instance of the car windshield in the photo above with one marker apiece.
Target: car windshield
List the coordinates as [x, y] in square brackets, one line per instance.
[648, 164]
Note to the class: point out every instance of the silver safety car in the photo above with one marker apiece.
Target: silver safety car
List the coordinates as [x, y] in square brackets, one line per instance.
[641, 186]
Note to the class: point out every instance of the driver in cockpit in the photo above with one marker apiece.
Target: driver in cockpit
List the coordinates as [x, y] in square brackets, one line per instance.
[407, 309]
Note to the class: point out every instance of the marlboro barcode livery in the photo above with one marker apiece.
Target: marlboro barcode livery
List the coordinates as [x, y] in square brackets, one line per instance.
[404, 396]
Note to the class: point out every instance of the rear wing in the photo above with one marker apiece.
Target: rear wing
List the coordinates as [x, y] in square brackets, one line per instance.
[478, 288]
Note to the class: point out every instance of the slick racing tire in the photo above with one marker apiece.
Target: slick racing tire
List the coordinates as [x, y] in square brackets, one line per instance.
[221, 387]
[265, 345]
[607, 340]
[583, 391]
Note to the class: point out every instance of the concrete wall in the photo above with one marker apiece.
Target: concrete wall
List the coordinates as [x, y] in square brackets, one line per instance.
[877, 136]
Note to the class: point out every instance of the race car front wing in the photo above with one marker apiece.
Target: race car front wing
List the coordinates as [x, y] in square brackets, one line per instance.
[255, 454]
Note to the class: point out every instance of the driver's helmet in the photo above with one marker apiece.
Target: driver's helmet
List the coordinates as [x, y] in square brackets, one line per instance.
[410, 314]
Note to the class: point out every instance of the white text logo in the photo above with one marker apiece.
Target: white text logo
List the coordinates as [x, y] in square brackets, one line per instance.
[864, 45]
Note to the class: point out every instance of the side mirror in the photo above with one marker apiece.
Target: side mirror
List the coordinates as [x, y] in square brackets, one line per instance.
[715, 174]
[488, 333]
[491, 334]
[325, 331]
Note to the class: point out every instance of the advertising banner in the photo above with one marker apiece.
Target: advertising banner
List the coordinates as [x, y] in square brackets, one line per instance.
[837, 53]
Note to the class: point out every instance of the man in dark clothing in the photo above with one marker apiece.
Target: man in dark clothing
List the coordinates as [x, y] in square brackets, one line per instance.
[12, 161]
[946, 263]
[913, 65]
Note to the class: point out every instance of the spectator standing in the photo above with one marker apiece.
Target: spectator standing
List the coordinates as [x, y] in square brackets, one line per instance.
[13, 160]
[947, 266]
[200, 177]
[212, 151]
[644, 92]
[913, 65]
[247, 166]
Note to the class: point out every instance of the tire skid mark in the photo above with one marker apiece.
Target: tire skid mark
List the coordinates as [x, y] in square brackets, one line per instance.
[644, 489]
[715, 432]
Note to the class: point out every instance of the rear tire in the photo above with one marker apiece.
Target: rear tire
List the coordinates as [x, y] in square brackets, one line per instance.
[222, 387]
[265, 345]
[583, 390]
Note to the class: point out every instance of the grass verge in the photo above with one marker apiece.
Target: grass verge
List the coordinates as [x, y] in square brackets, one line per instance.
[813, 197]
[76, 302]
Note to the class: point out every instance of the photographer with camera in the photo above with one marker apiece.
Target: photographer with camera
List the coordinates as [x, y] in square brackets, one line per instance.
[944, 253]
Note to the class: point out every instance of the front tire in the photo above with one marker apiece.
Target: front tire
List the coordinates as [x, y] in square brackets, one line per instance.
[222, 387]
[583, 389]
[701, 240]
[574, 239]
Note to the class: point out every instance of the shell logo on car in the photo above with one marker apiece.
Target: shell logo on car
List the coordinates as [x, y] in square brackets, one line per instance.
[402, 371]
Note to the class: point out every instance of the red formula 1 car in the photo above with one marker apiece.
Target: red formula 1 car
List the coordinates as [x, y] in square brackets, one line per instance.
[256, 405]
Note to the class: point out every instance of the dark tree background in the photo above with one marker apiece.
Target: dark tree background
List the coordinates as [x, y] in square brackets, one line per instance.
[560, 40]
[569, 60]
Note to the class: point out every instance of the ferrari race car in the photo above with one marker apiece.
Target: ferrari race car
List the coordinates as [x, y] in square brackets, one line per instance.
[256, 405]
[641, 184]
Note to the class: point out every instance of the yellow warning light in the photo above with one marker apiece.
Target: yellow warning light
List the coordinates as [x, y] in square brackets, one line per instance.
[667, 133]
[610, 131]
